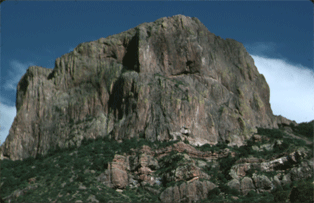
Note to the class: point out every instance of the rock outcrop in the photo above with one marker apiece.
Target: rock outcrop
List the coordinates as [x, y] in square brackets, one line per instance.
[262, 183]
[160, 81]
[142, 171]
[187, 192]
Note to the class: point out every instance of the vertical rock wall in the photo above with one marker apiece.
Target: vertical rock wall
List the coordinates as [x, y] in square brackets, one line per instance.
[158, 81]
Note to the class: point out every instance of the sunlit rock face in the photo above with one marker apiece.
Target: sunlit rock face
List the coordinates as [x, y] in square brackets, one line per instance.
[160, 81]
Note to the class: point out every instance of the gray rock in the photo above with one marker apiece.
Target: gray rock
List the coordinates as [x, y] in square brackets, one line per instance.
[92, 198]
[234, 184]
[247, 185]
[262, 183]
[302, 171]
[276, 182]
[286, 179]
[150, 80]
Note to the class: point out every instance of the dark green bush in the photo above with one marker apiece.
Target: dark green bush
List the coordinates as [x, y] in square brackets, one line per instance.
[271, 133]
[225, 166]
[186, 141]
[280, 195]
[80, 178]
[167, 164]
[296, 142]
[213, 148]
[70, 188]
[252, 193]
[304, 129]
[303, 192]
[227, 190]
[214, 193]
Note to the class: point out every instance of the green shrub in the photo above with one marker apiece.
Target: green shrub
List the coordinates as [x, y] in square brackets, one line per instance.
[214, 148]
[80, 178]
[252, 193]
[227, 190]
[167, 164]
[280, 195]
[304, 129]
[303, 192]
[214, 193]
[271, 133]
[225, 165]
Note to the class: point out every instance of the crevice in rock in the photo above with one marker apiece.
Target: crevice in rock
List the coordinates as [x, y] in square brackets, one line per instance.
[116, 98]
[51, 75]
[130, 59]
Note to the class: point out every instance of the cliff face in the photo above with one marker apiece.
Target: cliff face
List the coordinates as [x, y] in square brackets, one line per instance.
[159, 81]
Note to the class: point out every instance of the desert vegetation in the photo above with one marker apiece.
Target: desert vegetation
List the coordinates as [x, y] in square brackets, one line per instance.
[61, 173]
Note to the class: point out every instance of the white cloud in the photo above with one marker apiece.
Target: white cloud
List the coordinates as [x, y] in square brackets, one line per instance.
[7, 115]
[291, 88]
[17, 70]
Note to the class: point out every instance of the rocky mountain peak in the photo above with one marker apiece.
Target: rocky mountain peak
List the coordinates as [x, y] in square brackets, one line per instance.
[165, 80]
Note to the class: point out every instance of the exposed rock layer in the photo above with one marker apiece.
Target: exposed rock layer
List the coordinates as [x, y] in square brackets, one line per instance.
[161, 80]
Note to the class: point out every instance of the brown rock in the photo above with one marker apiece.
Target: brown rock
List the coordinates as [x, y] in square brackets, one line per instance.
[32, 180]
[234, 197]
[117, 169]
[240, 169]
[148, 161]
[187, 192]
[145, 170]
[119, 178]
[282, 121]
[171, 194]
[192, 152]
[189, 171]
[152, 80]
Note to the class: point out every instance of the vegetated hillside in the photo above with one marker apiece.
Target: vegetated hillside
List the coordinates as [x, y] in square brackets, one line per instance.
[271, 167]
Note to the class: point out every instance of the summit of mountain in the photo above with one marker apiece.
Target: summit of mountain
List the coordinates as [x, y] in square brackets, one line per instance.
[161, 81]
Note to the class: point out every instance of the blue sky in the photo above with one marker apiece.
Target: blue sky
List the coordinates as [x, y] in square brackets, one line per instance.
[278, 35]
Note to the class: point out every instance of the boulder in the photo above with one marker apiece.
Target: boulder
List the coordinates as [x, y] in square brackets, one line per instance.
[148, 161]
[240, 169]
[302, 171]
[143, 160]
[247, 185]
[159, 79]
[286, 179]
[276, 181]
[187, 192]
[194, 153]
[118, 172]
[282, 121]
[234, 184]
[262, 183]
[119, 178]
[189, 171]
